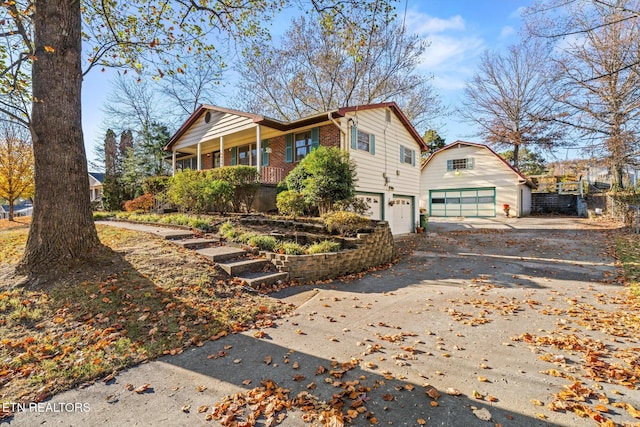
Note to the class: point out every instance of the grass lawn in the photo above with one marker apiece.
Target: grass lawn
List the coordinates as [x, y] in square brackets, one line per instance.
[156, 299]
[628, 252]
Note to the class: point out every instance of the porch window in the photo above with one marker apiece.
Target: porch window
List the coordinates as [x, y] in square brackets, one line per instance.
[190, 163]
[302, 145]
[246, 155]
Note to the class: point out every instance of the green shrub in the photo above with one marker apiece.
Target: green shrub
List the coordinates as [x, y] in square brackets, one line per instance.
[290, 248]
[323, 177]
[143, 203]
[290, 203]
[244, 181]
[323, 247]
[345, 223]
[262, 242]
[195, 191]
[156, 184]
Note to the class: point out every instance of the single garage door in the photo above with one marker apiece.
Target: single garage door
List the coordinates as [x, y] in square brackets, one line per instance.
[471, 202]
[375, 202]
[402, 212]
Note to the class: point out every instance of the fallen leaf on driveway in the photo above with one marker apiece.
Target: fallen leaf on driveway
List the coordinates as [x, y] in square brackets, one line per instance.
[482, 414]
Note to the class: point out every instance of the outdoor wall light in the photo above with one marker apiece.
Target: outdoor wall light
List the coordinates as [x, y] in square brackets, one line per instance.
[267, 150]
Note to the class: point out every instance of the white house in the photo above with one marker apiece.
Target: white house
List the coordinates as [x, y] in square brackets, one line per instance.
[96, 181]
[379, 137]
[465, 179]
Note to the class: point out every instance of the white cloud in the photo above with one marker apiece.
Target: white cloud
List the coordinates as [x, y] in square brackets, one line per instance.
[422, 23]
[518, 13]
[507, 31]
[446, 52]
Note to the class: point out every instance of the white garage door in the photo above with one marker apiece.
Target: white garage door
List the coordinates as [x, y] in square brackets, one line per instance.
[469, 202]
[402, 214]
[375, 205]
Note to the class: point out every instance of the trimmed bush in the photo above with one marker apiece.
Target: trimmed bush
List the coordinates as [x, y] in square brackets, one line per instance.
[290, 248]
[143, 203]
[290, 203]
[195, 191]
[345, 223]
[244, 181]
[323, 247]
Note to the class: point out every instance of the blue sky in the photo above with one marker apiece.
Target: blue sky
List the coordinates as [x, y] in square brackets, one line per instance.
[459, 31]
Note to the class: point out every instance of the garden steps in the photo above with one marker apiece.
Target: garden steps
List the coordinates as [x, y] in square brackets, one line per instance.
[169, 234]
[221, 253]
[234, 268]
[197, 242]
[255, 280]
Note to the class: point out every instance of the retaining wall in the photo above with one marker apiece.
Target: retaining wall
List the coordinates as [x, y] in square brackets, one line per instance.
[371, 250]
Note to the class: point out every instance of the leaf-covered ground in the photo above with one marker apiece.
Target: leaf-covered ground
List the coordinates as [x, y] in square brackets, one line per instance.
[155, 299]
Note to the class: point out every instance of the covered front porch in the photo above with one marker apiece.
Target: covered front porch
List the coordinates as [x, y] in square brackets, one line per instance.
[247, 147]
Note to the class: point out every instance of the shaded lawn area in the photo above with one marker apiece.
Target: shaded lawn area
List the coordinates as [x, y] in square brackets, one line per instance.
[154, 298]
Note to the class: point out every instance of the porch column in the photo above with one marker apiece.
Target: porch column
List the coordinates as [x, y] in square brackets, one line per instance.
[173, 162]
[258, 149]
[221, 151]
[199, 158]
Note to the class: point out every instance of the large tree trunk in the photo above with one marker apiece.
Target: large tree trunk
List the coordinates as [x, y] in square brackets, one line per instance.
[62, 229]
[11, 210]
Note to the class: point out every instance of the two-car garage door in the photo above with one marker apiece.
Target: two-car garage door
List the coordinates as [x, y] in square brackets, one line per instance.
[470, 202]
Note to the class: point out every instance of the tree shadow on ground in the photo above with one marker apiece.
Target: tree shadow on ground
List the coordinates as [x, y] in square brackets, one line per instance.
[390, 400]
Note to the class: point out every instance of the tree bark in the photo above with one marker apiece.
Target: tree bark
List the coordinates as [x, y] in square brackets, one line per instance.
[62, 230]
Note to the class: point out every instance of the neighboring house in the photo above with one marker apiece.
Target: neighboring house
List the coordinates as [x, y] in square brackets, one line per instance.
[379, 137]
[465, 179]
[20, 208]
[95, 186]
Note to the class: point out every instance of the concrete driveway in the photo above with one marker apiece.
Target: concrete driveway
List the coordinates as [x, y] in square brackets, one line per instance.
[448, 316]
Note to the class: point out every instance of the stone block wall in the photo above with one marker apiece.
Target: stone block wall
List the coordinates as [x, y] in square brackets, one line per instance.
[371, 250]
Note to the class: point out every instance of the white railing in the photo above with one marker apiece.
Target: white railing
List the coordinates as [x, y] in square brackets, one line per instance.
[271, 175]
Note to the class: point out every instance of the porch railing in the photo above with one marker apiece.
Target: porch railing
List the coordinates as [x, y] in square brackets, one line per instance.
[271, 175]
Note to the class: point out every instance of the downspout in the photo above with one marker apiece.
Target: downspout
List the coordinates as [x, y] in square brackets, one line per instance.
[343, 136]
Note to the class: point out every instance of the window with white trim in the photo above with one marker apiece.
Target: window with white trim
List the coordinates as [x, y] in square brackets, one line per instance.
[303, 145]
[407, 155]
[364, 142]
[459, 164]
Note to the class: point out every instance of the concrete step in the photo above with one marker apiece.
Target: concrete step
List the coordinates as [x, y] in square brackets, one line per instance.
[174, 234]
[221, 253]
[196, 243]
[256, 279]
[236, 268]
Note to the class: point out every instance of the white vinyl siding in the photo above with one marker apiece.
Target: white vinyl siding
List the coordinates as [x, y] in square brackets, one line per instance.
[384, 172]
[221, 124]
[484, 171]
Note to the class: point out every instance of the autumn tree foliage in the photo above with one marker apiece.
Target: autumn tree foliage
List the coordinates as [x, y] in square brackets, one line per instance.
[16, 166]
[51, 40]
[509, 99]
[598, 69]
[313, 70]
